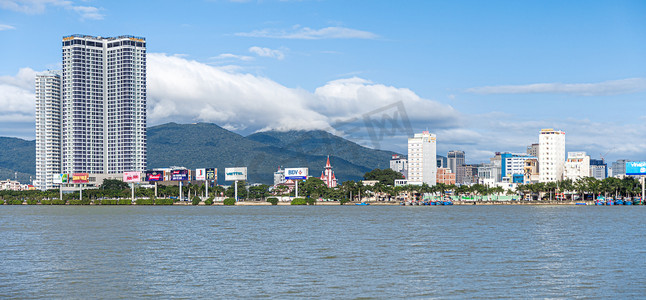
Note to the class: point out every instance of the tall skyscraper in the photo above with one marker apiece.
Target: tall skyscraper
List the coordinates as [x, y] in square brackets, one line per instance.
[551, 155]
[92, 118]
[103, 104]
[48, 129]
[455, 159]
[422, 160]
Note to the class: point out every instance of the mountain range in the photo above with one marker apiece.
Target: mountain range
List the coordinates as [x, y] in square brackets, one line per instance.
[205, 145]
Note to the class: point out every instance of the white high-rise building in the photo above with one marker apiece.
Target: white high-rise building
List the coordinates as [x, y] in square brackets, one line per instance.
[48, 129]
[103, 104]
[551, 155]
[577, 166]
[422, 161]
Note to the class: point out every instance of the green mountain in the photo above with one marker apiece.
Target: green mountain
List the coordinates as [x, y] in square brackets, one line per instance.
[208, 145]
[17, 155]
[321, 142]
[205, 145]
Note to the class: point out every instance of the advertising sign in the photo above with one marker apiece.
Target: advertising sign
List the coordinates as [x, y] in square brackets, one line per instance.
[211, 174]
[60, 178]
[154, 176]
[296, 173]
[200, 174]
[178, 175]
[131, 176]
[80, 178]
[636, 168]
[233, 174]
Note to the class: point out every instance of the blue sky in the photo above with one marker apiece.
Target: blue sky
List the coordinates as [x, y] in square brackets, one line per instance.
[485, 76]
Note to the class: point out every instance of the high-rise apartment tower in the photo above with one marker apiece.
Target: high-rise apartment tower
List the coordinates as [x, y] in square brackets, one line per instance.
[422, 160]
[48, 129]
[103, 104]
[551, 155]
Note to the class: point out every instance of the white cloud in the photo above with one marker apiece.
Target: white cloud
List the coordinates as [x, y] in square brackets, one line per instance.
[17, 96]
[266, 52]
[6, 27]
[189, 90]
[40, 6]
[353, 97]
[230, 56]
[88, 12]
[605, 88]
[306, 33]
[185, 90]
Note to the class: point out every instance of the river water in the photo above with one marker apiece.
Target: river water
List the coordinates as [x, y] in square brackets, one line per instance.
[322, 251]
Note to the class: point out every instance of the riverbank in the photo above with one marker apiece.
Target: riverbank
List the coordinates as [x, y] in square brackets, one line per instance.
[374, 203]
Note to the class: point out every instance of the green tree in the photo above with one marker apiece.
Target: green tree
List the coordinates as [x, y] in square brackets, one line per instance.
[242, 190]
[114, 184]
[385, 176]
[258, 192]
[313, 187]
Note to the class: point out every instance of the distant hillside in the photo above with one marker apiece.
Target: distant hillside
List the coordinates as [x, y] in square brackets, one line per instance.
[208, 145]
[11, 174]
[323, 143]
[18, 154]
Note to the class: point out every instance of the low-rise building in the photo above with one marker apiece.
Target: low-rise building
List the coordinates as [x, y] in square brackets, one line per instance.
[489, 174]
[577, 166]
[530, 171]
[445, 176]
[467, 174]
[279, 176]
[598, 169]
[399, 164]
[12, 185]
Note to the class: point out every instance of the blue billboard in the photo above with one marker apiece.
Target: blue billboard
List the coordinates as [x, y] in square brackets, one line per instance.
[636, 168]
[179, 175]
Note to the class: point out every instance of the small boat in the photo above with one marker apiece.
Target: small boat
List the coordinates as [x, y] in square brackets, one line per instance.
[362, 203]
[619, 202]
[447, 203]
[581, 203]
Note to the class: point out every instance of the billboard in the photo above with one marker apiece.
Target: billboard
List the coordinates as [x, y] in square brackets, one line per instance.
[211, 174]
[80, 178]
[636, 168]
[178, 175]
[61, 178]
[296, 173]
[131, 176]
[154, 176]
[233, 174]
[200, 174]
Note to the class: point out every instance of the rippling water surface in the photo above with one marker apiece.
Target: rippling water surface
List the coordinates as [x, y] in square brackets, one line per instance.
[322, 251]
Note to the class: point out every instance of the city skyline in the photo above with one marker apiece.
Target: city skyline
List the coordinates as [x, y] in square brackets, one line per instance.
[484, 77]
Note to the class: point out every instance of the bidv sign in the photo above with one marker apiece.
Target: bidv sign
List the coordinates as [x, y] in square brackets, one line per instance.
[296, 173]
[233, 174]
[636, 168]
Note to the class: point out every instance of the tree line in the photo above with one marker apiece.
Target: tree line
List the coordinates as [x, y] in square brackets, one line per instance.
[383, 189]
